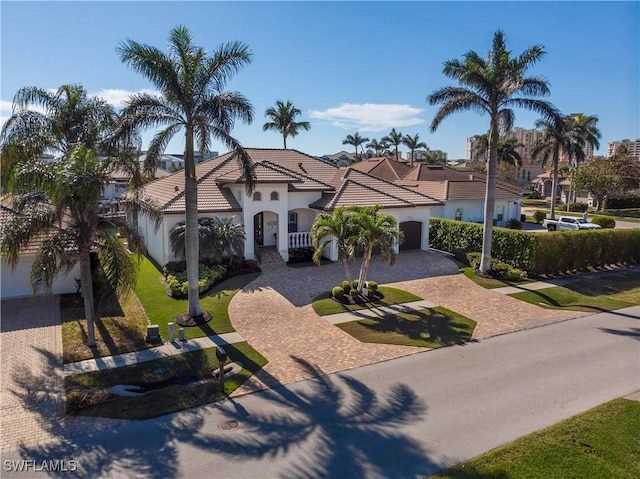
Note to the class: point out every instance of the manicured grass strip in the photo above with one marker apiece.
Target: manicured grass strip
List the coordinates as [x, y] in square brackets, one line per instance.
[605, 293]
[489, 283]
[324, 305]
[120, 328]
[195, 365]
[602, 443]
[425, 328]
[162, 309]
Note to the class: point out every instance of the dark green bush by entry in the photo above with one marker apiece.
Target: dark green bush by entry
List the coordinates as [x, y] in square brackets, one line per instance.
[539, 216]
[207, 276]
[499, 269]
[337, 292]
[604, 221]
[346, 286]
[514, 224]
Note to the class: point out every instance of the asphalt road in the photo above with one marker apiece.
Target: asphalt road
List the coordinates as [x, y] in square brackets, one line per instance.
[404, 418]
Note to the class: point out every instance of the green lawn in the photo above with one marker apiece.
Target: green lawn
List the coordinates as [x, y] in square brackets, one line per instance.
[489, 283]
[603, 443]
[425, 328]
[324, 304]
[121, 327]
[196, 365]
[606, 293]
[162, 309]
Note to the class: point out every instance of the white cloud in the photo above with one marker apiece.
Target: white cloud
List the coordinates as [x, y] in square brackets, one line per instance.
[117, 97]
[369, 116]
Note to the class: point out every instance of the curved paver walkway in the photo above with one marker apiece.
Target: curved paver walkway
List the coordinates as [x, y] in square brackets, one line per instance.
[274, 314]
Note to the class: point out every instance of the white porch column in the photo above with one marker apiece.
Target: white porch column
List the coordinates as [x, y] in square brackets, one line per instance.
[283, 235]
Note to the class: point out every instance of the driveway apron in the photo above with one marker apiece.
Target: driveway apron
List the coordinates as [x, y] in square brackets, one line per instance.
[32, 407]
[275, 315]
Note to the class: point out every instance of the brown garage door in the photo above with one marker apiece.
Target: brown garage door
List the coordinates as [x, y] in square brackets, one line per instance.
[412, 235]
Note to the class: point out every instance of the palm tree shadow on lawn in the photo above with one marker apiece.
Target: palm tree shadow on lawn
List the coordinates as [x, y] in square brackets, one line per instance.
[429, 326]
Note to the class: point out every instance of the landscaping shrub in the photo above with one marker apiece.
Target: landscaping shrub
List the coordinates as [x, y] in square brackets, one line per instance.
[372, 286]
[174, 267]
[338, 293]
[355, 283]
[565, 251]
[604, 221]
[578, 207]
[516, 248]
[622, 202]
[499, 268]
[207, 276]
[540, 216]
[628, 212]
[514, 224]
[346, 286]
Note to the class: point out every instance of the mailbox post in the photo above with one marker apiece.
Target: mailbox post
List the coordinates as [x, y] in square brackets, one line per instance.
[221, 354]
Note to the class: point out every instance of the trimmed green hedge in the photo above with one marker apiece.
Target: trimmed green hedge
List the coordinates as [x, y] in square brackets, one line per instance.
[513, 247]
[540, 253]
[619, 202]
[628, 212]
[563, 251]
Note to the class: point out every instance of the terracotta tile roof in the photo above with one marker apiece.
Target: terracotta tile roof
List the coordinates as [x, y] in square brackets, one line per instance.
[362, 189]
[385, 168]
[36, 242]
[444, 190]
[301, 171]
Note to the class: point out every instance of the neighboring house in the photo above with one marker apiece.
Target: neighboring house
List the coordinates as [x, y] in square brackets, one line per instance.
[16, 283]
[460, 192]
[544, 182]
[342, 158]
[292, 189]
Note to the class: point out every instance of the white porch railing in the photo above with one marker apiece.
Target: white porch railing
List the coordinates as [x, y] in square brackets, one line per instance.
[301, 239]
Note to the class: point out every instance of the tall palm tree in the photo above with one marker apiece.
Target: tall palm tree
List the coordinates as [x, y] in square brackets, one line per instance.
[377, 146]
[192, 97]
[413, 143]
[337, 227]
[508, 152]
[481, 146]
[564, 136]
[70, 118]
[219, 239]
[494, 86]
[394, 138]
[76, 129]
[356, 141]
[374, 230]
[436, 157]
[60, 201]
[283, 120]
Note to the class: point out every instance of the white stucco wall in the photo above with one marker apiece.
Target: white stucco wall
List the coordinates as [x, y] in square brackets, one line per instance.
[16, 284]
[473, 210]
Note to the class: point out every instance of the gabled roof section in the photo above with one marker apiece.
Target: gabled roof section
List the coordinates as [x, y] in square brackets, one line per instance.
[385, 168]
[299, 170]
[362, 189]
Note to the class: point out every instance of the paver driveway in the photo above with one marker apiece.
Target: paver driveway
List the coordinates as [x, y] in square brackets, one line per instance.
[32, 409]
[275, 315]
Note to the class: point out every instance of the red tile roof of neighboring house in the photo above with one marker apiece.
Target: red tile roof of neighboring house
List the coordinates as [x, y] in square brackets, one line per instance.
[385, 168]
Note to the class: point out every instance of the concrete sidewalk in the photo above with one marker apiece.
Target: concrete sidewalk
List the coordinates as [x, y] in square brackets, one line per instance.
[167, 349]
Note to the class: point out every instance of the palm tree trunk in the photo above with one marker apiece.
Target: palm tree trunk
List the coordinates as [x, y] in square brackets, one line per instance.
[345, 265]
[489, 204]
[554, 185]
[192, 253]
[284, 137]
[366, 258]
[87, 294]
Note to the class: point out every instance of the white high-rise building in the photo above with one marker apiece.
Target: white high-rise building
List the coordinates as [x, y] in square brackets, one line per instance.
[633, 147]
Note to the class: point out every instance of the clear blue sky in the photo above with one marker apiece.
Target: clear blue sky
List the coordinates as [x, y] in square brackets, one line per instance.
[349, 66]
